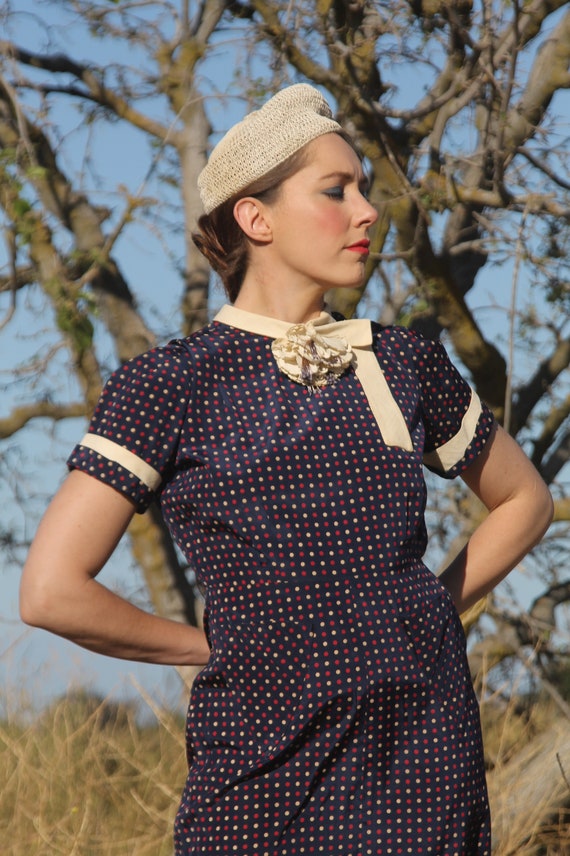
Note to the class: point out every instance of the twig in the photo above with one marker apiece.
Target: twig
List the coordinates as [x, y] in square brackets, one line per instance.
[11, 247]
[562, 770]
[512, 313]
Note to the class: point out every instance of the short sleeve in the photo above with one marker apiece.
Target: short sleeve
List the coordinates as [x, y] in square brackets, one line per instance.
[133, 436]
[457, 423]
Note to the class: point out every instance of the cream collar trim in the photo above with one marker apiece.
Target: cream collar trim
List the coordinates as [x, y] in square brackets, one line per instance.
[358, 333]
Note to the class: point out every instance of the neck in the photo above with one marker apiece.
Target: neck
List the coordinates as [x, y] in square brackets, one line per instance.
[294, 306]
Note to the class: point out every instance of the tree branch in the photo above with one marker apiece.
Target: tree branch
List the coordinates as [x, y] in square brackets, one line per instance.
[284, 41]
[532, 629]
[528, 395]
[550, 427]
[561, 510]
[22, 276]
[559, 457]
[540, 165]
[541, 613]
[549, 74]
[95, 90]
[20, 416]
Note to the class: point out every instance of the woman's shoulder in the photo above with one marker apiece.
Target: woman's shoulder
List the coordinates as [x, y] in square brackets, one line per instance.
[178, 354]
[405, 344]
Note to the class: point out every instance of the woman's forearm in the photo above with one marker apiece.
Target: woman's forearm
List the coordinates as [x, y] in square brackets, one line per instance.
[520, 511]
[60, 593]
[499, 543]
[98, 619]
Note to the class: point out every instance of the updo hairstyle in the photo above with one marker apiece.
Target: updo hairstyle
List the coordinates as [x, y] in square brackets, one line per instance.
[220, 238]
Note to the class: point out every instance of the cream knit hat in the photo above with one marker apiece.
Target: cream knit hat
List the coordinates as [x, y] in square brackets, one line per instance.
[263, 140]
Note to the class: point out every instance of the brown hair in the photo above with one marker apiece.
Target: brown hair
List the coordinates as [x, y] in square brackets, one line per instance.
[221, 239]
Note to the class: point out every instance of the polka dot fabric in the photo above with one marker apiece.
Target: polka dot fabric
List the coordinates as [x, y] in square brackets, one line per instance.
[336, 714]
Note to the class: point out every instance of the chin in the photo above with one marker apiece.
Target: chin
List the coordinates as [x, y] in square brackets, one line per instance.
[351, 285]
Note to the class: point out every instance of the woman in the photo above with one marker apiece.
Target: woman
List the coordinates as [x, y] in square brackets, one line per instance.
[334, 714]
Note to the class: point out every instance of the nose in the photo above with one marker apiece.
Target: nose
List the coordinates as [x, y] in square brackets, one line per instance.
[366, 214]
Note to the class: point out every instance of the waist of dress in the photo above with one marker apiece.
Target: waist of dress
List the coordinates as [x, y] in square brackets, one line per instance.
[314, 597]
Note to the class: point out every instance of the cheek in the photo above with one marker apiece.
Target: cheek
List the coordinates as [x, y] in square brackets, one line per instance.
[331, 222]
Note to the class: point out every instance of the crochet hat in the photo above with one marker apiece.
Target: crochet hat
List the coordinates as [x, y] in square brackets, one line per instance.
[263, 140]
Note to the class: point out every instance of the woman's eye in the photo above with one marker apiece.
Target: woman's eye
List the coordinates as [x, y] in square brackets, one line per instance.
[335, 193]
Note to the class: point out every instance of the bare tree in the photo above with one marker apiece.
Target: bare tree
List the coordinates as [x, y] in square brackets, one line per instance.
[79, 274]
[460, 112]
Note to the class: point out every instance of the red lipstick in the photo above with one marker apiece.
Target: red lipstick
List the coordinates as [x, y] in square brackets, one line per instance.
[360, 246]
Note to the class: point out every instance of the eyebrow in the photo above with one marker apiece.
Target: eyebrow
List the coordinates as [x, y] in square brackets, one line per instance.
[347, 176]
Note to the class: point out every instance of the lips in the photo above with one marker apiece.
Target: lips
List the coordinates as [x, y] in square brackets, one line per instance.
[360, 246]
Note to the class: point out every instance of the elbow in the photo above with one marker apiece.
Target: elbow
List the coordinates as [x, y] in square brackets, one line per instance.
[548, 509]
[32, 609]
[543, 510]
[36, 603]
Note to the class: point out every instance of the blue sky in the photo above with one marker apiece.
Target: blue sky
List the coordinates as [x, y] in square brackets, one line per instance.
[33, 661]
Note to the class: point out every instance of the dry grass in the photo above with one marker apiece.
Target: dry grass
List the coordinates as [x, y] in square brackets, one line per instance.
[528, 755]
[86, 778]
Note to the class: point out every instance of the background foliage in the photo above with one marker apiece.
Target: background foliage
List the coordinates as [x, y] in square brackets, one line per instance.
[90, 777]
[107, 111]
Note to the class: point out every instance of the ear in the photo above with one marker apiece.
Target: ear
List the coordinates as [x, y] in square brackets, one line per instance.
[250, 214]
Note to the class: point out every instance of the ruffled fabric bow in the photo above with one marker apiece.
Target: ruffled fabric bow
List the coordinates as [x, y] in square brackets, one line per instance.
[324, 356]
[311, 359]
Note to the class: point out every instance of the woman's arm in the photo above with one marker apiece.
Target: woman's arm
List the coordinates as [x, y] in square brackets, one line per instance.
[59, 592]
[520, 511]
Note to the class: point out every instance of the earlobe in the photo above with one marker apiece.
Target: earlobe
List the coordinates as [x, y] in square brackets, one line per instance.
[250, 215]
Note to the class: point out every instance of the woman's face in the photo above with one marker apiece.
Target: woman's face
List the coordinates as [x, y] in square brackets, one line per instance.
[321, 217]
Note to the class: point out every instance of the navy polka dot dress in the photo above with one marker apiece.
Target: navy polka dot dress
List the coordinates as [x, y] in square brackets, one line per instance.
[336, 714]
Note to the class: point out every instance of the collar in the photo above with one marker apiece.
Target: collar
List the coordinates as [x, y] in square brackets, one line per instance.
[358, 333]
